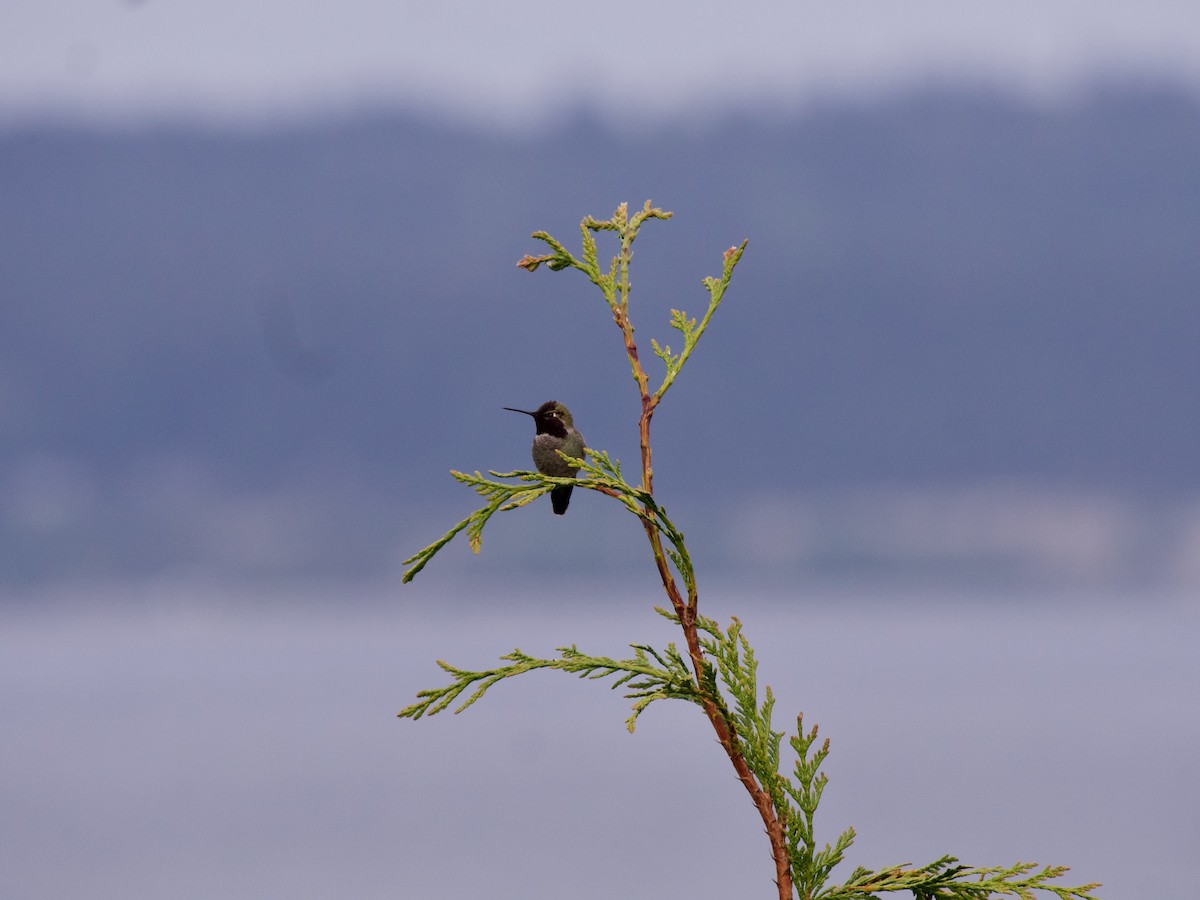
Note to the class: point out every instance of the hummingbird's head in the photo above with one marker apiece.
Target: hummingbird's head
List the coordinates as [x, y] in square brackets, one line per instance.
[551, 418]
[553, 411]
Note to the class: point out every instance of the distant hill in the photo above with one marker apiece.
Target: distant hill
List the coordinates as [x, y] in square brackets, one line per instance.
[219, 344]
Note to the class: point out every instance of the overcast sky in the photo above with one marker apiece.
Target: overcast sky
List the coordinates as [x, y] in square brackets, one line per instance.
[258, 59]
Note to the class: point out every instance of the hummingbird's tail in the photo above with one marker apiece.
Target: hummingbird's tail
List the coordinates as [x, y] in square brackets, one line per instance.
[560, 497]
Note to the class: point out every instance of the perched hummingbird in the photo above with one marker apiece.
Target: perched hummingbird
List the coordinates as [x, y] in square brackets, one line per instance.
[555, 431]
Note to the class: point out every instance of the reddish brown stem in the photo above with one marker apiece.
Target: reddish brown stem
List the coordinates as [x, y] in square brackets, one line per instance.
[686, 612]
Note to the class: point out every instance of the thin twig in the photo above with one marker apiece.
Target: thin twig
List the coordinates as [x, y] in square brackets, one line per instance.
[686, 611]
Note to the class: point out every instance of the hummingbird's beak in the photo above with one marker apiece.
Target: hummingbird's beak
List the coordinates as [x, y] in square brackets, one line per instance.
[527, 412]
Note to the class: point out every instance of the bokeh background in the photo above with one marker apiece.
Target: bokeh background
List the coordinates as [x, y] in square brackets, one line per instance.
[938, 449]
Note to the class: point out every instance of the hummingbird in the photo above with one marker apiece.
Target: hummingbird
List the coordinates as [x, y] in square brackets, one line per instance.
[555, 431]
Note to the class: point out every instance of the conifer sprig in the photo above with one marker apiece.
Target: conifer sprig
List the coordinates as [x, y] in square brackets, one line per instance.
[688, 327]
[716, 668]
[601, 473]
[648, 676]
[500, 497]
[946, 879]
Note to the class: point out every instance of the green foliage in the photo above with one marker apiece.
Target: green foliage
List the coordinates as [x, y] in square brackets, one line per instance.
[945, 878]
[716, 669]
[690, 330]
[650, 675]
[600, 474]
[500, 496]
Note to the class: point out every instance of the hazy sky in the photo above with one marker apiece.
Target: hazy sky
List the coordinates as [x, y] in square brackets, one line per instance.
[505, 61]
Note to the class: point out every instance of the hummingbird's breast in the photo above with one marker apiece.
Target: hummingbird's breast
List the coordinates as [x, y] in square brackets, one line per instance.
[548, 461]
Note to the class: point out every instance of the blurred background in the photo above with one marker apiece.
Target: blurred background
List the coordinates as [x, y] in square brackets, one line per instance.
[938, 449]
